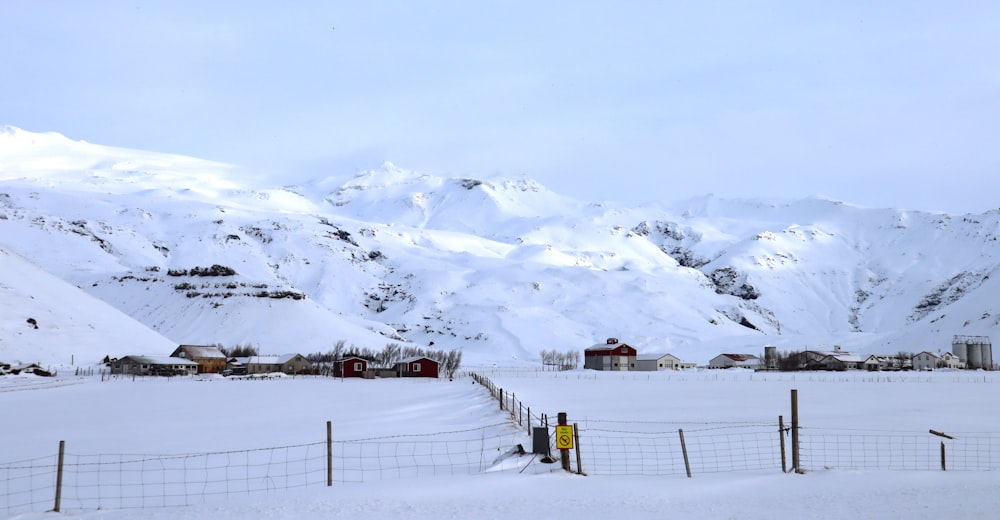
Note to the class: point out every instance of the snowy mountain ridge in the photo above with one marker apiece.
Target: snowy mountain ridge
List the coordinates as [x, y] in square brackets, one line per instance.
[500, 268]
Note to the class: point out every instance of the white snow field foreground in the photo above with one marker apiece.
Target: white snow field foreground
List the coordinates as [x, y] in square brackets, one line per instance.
[210, 447]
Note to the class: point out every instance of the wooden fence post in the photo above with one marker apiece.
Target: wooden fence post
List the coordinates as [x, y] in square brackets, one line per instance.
[576, 444]
[563, 454]
[59, 476]
[329, 453]
[781, 437]
[684, 450]
[795, 431]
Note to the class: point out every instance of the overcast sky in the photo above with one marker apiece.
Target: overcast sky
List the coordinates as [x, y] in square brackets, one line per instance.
[884, 104]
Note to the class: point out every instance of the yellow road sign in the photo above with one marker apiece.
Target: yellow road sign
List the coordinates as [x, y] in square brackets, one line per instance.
[564, 437]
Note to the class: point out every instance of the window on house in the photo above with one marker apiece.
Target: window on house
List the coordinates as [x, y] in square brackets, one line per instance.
[416, 367]
[357, 367]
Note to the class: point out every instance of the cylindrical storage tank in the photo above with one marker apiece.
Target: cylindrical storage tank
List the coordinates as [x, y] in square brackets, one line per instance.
[958, 348]
[770, 357]
[975, 353]
[987, 351]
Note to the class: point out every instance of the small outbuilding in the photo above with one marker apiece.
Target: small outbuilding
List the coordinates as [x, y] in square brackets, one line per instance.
[417, 367]
[285, 363]
[610, 355]
[654, 362]
[734, 361]
[140, 365]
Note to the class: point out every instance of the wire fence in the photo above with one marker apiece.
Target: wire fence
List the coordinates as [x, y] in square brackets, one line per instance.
[890, 450]
[658, 449]
[603, 447]
[129, 481]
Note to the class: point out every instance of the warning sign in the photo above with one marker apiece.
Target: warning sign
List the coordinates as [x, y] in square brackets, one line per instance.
[564, 437]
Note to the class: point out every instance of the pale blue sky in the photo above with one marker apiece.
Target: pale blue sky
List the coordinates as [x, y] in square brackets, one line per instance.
[886, 104]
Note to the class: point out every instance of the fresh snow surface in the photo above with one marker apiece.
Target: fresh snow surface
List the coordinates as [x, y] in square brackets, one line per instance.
[192, 415]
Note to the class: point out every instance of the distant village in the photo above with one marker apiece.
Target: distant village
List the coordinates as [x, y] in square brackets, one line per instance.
[967, 352]
[392, 361]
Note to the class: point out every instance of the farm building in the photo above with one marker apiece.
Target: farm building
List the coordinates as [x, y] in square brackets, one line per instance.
[654, 362]
[734, 361]
[417, 367]
[285, 363]
[610, 355]
[837, 359]
[153, 365]
[210, 359]
[930, 361]
[350, 367]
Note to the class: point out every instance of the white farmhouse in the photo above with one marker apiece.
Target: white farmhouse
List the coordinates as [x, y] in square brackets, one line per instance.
[929, 361]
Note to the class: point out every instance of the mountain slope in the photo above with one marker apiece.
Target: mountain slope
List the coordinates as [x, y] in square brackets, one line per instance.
[496, 267]
[44, 319]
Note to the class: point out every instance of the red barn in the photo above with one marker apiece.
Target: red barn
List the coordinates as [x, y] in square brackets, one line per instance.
[350, 367]
[611, 355]
[417, 367]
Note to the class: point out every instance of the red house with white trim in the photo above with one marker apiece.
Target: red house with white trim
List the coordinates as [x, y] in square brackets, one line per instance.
[417, 367]
[350, 367]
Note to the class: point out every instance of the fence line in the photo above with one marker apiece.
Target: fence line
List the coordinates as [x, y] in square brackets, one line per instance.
[887, 450]
[519, 412]
[608, 447]
[130, 481]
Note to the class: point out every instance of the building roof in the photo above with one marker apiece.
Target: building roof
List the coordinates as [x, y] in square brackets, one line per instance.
[415, 358]
[267, 360]
[654, 357]
[202, 351]
[846, 358]
[606, 346]
[158, 360]
[740, 357]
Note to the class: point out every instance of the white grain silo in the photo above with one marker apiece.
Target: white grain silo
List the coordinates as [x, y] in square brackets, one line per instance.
[958, 348]
[974, 351]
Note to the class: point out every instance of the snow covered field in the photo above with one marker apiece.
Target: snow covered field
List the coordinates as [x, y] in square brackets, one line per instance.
[196, 416]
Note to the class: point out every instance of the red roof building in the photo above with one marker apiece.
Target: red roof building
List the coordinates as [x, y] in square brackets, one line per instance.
[611, 355]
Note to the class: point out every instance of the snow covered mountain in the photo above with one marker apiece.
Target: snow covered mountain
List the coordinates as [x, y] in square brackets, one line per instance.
[202, 252]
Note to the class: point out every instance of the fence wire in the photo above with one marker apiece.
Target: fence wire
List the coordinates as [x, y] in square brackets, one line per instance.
[887, 450]
[136, 481]
[710, 450]
[28, 485]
